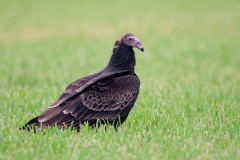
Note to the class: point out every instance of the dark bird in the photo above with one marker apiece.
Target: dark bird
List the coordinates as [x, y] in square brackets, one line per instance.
[104, 97]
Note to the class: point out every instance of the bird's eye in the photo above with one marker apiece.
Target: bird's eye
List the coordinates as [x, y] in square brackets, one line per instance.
[130, 39]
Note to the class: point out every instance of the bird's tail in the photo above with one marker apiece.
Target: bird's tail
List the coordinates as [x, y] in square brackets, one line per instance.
[32, 124]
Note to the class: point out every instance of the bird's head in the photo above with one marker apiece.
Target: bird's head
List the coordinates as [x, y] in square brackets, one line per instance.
[131, 41]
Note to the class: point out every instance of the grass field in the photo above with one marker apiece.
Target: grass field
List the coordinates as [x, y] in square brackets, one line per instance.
[189, 102]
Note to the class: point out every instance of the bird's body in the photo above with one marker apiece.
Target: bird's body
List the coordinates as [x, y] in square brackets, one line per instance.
[103, 97]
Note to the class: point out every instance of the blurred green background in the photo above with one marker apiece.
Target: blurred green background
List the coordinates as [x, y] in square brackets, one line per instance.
[188, 107]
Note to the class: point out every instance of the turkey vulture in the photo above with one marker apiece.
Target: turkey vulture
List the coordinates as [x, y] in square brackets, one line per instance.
[104, 97]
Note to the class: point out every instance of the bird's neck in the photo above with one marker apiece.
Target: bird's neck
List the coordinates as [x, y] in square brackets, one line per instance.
[123, 58]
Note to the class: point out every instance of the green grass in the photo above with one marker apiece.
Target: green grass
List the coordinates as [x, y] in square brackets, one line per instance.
[189, 102]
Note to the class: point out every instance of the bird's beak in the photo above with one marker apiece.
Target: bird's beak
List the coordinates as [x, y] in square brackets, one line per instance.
[140, 47]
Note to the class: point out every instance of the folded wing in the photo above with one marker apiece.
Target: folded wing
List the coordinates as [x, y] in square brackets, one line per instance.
[105, 100]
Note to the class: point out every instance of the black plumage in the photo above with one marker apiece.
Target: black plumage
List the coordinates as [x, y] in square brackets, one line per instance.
[103, 97]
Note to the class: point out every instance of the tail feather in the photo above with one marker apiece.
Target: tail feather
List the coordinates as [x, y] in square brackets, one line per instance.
[32, 124]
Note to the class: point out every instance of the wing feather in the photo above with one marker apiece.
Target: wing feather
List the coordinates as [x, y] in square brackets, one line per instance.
[106, 99]
[78, 86]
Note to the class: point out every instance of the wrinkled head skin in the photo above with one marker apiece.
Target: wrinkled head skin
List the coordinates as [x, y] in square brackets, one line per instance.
[132, 41]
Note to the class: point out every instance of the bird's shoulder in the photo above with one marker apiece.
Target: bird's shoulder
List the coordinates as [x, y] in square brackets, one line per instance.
[116, 82]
